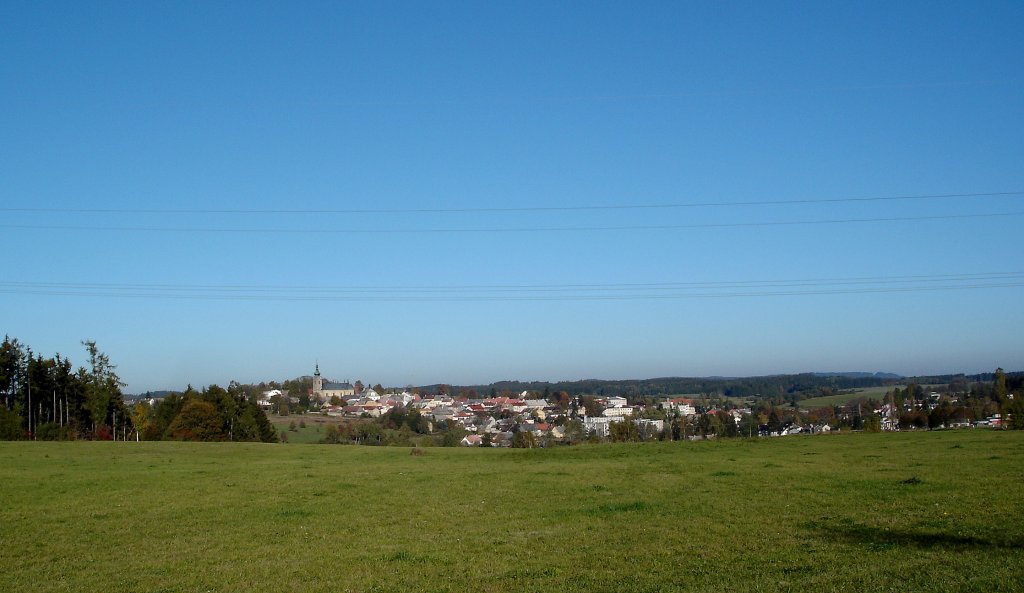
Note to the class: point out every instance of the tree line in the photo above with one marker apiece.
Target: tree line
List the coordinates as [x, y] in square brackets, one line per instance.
[789, 388]
[47, 398]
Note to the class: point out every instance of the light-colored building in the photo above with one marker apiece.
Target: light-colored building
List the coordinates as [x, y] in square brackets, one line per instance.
[599, 425]
[324, 390]
[617, 412]
[682, 405]
[651, 426]
[616, 402]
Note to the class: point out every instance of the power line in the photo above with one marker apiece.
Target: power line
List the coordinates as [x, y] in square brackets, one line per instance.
[792, 89]
[973, 276]
[532, 99]
[592, 207]
[529, 292]
[568, 229]
[631, 297]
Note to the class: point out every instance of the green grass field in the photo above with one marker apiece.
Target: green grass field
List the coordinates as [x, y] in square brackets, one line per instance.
[927, 511]
[313, 432]
[877, 393]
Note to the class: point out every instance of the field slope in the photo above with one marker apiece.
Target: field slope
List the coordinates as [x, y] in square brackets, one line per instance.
[888, 512]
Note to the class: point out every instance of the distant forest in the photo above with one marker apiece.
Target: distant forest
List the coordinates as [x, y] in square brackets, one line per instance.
[778, 388]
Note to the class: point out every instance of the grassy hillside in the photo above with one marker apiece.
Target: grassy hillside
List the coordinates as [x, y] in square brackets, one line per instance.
[837, 400]
[889, 512]
[312, 432]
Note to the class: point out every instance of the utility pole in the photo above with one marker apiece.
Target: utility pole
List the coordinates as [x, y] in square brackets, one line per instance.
[30, 403]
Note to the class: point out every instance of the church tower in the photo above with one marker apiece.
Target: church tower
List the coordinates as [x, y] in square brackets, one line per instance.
[318, 381]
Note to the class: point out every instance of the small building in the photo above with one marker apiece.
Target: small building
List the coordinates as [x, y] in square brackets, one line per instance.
[471, 440]
[682, 405]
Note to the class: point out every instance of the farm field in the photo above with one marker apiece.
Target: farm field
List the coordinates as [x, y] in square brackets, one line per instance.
[837, 400]
[927, 511]
[312, 432]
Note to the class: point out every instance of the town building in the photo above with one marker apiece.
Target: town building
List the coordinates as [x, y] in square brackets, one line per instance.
[324, 390]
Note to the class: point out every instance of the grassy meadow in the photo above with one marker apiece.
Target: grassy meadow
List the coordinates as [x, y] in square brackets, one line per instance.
[313, 432]
[927, 511]
[828, 401]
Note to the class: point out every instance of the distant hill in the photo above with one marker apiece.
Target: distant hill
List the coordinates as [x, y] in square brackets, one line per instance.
[861, 375]
[774, 386]
[150, 395]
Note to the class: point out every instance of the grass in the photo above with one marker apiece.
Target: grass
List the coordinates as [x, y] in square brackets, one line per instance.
[877, 393]
[313, 432]
[828, 401]
[888, 512]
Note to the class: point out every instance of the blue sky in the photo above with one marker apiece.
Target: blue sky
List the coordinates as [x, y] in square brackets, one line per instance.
[217, 191]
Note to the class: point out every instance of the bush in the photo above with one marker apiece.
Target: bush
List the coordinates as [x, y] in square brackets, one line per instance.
[523, 440]
[51, 431]
[10, 425]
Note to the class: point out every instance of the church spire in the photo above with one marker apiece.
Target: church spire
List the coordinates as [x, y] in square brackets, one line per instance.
[317, 373]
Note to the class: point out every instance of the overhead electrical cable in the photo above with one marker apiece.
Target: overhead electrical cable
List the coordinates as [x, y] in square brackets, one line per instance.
[528, 292]
[504, 209]
[975, 276]
[533, 99]
[519, 298]
[455, 230]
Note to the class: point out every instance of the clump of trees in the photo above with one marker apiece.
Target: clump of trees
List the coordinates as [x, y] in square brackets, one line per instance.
[399, 427]
[47, 398]
[213, 414]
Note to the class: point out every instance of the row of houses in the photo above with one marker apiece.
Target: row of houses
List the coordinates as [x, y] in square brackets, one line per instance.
[503, 416]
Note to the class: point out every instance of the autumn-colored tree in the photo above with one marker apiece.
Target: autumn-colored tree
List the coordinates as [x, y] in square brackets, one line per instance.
[591, 406]
[140, 419]
[563, 400]
[197, 421]
[523, 440]
[625, 430]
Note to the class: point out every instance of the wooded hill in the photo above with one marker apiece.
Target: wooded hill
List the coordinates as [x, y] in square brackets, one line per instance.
[780, 388]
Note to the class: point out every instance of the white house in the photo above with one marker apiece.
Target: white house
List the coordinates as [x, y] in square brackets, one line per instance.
[682, 405]
[471, 440]
[651, 426]
[599, 425]
[617, 412]
[265, 398]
